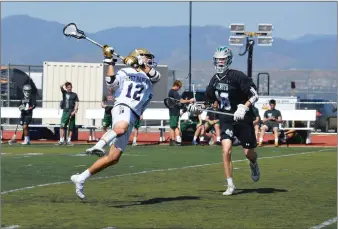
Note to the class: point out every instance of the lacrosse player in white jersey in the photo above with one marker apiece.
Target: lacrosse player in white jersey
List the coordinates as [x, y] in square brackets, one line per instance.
[133, 87]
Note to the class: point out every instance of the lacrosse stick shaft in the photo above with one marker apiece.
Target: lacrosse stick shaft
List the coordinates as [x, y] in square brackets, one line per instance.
[101, 46]
[193, 91]
[217, 112]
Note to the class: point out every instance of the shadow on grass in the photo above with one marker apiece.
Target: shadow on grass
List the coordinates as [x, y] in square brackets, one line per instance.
[254, 190]
[156, 200]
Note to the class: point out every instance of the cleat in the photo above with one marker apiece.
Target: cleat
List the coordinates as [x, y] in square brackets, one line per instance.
[255, 173]
[276, 144]
[134, 144]
[194, 143]
[260, 144]
[79, 189]
[230, 190]
[25, 143]
[69, 143]
[95, 151]
[59, 143]
[218, 143]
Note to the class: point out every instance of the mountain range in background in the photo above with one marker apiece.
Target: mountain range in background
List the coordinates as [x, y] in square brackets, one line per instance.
[28, 40]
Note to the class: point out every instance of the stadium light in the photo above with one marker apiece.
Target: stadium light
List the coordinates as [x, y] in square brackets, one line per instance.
[240, 37]
[265, 28]
[264, 41]
[237, 40]
[237, 28]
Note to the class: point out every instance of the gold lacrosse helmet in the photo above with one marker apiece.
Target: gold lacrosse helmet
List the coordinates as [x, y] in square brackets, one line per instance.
[147, 56]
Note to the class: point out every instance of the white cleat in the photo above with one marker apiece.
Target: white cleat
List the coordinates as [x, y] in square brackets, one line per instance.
[134, 144]
[25, 143]
[230, 190]
[79, 189]
[96, 151]
[255, 173]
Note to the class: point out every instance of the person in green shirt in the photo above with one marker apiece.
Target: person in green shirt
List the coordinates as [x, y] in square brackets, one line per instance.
[107, 103]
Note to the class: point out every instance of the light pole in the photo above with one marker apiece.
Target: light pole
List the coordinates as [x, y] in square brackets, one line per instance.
[240, 36]
[190, 22]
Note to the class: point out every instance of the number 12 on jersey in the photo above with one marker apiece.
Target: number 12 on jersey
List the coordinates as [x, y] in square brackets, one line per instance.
[134, 91]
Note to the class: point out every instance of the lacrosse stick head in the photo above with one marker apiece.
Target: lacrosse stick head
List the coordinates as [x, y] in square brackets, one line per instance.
[71, 30]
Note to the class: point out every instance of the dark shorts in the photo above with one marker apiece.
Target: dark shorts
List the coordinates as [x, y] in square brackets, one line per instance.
[244, 131]
[66, 120]
[173, 121]
[107, 120]
[25, 119]
[271, 125]
[137, 124]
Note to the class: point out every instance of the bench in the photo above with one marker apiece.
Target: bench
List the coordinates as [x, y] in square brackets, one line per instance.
[150, 114]
[38, 113]
[296, 115]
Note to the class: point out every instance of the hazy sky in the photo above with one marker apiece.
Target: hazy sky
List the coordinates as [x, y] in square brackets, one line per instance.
[291, 19]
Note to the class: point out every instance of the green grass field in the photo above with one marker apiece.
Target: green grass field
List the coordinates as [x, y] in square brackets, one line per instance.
[168, 187]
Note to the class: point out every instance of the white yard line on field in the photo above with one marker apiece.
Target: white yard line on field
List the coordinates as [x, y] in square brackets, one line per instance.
[11, 227]
[325, 224]
[157, 170]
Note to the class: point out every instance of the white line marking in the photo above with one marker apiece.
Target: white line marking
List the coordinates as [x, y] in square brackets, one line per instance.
[156, 170]
[11, 227]
[79, 165]
[326, 223]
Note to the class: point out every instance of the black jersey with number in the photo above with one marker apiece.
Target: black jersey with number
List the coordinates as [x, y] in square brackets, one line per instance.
[230, 89]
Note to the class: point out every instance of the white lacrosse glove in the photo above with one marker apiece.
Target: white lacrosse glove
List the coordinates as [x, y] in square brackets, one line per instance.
[22, 107]
[140, 60]
[240, 112]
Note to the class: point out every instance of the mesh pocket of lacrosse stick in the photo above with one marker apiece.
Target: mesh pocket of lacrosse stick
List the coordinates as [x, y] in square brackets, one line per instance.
[172, 103]
[71, 30]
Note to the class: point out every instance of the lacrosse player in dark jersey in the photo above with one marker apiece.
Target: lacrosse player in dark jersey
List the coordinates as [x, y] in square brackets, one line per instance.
[235, 93]
[28, 103]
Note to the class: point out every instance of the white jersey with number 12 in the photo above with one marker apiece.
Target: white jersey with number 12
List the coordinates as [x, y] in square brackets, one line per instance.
[134, 89]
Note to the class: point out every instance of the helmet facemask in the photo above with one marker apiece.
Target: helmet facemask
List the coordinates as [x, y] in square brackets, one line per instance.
[27, 90]
[147, 57]
[222, 59]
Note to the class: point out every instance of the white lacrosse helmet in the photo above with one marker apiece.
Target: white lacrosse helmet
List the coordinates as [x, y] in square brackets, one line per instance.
[222, 59]
[27, 89]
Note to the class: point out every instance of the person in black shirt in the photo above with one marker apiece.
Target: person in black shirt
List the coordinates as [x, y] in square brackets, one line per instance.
[272, 119]
[212, 122]
[28, 103]
[236, 93]
[174, 114]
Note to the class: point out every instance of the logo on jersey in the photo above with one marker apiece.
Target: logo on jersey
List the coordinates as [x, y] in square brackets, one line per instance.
[121, 109]
[222, 86]
[229, 133]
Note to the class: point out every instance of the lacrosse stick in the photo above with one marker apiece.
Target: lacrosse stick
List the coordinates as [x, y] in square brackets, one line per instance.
[71, 30]
[13, 139]
[171, 103]
[194, 92]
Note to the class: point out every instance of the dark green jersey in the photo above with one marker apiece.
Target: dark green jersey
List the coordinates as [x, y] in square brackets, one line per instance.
[108, 100]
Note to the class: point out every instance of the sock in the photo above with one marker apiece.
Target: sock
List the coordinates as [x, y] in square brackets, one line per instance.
[84, 176]
[202, 138]
[260, 139]
[178, 139]
[135, 139]
[195, 138]
[26, 139]
[62, 139]
[218, 139]
[230, 182]
[106, 139]
[276, 139]
[69, 139]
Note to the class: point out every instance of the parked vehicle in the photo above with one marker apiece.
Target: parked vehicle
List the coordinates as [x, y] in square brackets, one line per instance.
[326, 114]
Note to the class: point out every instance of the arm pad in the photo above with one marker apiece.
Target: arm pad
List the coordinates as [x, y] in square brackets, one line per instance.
[154, 75]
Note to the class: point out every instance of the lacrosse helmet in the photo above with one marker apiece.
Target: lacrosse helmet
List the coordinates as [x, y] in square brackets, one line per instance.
[222, 59]
[27, 89]
[147, 56]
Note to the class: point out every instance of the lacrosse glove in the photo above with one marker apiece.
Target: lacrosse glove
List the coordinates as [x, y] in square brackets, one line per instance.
[108, 55]
[240, 112]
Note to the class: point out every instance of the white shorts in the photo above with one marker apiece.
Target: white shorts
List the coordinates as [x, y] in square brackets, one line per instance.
[123, 113]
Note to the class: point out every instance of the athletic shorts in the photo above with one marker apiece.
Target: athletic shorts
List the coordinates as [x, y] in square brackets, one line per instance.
[123, 113]
[269, 126]
[244, 131]
[107, 120]
[173, 121]
[25, 119]
[67, 120]
[137, 124]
